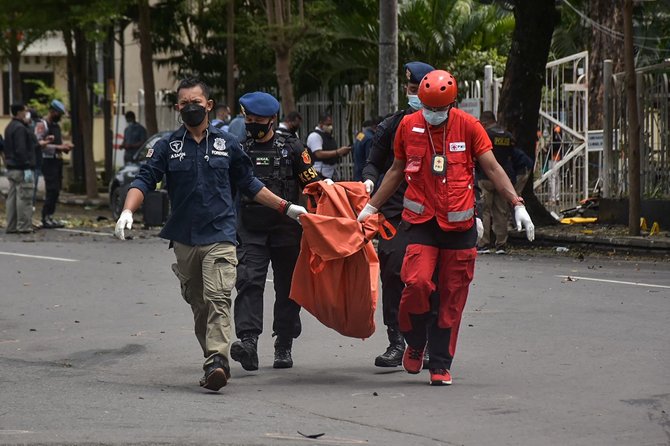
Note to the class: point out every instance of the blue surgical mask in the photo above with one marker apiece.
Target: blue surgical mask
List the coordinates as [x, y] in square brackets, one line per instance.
[414, 102]
[435, 117]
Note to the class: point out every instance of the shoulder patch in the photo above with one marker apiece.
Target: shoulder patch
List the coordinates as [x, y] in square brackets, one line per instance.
[360, 136]
[150, 152]
[305, 157]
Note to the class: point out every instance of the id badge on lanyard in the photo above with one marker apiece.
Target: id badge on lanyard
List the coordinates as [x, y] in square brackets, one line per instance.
[438, 163]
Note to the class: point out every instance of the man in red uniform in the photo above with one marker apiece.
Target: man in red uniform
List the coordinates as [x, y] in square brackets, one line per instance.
[435, 152]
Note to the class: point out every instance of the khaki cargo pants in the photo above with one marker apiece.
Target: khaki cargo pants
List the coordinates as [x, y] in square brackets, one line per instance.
[495, 214]
[207, 276]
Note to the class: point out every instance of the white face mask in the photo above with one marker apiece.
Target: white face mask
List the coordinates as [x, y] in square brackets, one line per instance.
[26, 117]
[435, 117]
[414, 101]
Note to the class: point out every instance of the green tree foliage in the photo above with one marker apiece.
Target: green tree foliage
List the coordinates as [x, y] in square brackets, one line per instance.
[338, 40]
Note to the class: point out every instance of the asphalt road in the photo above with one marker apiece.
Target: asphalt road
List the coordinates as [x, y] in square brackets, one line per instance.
[96, 347]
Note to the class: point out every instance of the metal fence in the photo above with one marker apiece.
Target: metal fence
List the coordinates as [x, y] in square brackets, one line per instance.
[349, 105]
[653, 96]
[565, 171]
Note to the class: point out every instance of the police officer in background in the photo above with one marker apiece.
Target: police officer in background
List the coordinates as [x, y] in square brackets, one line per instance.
[363, 144]
[204, 166]
[290, 125]
[265, 236]
[52, 161]
[495, 209]
[392, 252]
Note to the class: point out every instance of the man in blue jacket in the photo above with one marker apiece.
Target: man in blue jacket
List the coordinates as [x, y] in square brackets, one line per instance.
[204, 167]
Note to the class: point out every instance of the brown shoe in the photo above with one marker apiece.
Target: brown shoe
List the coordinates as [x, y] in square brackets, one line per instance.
[216, 376]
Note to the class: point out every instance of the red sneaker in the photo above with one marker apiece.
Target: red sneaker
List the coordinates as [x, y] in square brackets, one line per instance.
[440, 377]
[412, 359]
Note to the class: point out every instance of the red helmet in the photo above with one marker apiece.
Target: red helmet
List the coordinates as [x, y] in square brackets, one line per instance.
[438, 89]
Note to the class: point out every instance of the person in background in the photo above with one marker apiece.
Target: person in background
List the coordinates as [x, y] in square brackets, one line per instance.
[324, 147]
[133, 137]
[494, 209]
[52, 160]
[290, 125]
[362, 146]
[204, 167]
[435, 152]
[237, 128]
[222, 117]
[20, 148]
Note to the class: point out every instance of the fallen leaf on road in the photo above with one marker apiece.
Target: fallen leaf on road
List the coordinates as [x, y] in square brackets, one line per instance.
[311, 435]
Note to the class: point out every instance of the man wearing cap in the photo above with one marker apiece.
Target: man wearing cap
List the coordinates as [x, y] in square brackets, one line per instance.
[392, 252]
[204, 167]
[285, 166]
[52, 161]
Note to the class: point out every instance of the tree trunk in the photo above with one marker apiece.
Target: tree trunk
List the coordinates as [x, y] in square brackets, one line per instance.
[230, 56]
[15, 68]
[633, 124]
[602, 46]
[81, 61]
[522, 86]
[147, 60]
[283, 65]
[388, 56]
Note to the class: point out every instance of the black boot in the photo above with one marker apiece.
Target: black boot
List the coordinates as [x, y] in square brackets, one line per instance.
[245, 352]
[283, 359]
[392, 357]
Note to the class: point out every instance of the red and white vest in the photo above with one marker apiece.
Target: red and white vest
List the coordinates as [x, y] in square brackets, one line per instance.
[449, 197]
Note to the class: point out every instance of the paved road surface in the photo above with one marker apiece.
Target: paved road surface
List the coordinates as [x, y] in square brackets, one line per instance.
[96, 347]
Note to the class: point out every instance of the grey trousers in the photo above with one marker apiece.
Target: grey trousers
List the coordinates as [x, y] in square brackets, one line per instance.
[207, 276]
[19, 202]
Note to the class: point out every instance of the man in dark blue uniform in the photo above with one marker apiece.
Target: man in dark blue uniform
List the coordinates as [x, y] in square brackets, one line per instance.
[392, 252]
[204, 167]
[362, 146]
[285, 166]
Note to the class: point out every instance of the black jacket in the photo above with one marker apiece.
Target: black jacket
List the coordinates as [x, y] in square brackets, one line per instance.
[20, 145]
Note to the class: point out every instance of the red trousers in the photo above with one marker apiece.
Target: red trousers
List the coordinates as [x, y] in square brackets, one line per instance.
[455, 272]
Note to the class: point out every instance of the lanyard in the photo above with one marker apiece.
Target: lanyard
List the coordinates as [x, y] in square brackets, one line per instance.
[438, 162]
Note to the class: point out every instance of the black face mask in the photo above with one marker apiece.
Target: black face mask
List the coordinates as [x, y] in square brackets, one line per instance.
[256, 130]
[55, 118]
[193, 114]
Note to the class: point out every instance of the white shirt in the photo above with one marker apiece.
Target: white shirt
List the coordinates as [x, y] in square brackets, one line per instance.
[315, 143]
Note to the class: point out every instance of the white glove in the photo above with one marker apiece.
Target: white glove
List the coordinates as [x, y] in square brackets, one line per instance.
[294, 211]
[480, 228]
[367, 211]
[522, 218]
[328, 181]
[125, 221]
[369, 186]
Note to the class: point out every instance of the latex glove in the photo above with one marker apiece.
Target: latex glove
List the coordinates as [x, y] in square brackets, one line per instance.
[523, 219]
[480, 228]
[369, 186]
[294, 211]
[125, 221]
[328, 181]
[367, 211]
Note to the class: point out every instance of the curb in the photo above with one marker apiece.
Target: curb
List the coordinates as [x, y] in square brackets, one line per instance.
[656, 245]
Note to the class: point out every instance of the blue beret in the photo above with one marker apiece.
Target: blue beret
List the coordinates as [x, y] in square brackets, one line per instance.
[57, 105]
[259, 104]
[415, 71]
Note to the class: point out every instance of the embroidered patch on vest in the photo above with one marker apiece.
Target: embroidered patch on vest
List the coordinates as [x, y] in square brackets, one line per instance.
[457, 147]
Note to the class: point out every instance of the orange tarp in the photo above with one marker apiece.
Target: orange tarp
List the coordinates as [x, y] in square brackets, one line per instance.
[336, 276]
